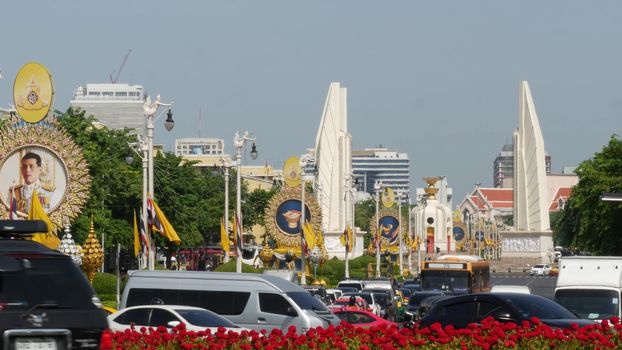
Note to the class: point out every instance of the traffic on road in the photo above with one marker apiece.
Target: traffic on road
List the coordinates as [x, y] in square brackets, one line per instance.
[453, 290]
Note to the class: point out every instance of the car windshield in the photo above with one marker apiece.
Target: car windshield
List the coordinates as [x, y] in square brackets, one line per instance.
[533, 306]
[382, 298]
[538, 266]
[416, 299]
[50, 282]
[204, 318]
[354, 285]
[407, 293]
[307, 302]
[590, 303]
[445, 280]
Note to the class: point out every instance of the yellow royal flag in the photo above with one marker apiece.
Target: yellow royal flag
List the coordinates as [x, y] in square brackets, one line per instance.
[235, 234]
[224, 236]
[36, 212]
[136, 237]
[168, 230]
[309, 236]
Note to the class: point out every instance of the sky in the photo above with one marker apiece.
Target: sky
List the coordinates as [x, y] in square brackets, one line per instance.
[436, 79]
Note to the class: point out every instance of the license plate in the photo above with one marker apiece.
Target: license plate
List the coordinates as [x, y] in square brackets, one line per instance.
[35, 344]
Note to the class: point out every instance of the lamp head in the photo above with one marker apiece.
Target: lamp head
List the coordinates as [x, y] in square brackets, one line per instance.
[254, 151]
[129, 159]
[169, 124]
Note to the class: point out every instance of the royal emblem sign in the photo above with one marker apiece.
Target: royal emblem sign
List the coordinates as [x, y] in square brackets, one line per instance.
[292, 172]
[33, 92]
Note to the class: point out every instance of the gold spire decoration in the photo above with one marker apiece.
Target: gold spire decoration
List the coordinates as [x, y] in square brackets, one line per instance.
[93, 254]
[266, 255]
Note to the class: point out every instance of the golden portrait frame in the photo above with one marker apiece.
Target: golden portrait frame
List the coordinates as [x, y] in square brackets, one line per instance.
[286, 194]
[49, 138]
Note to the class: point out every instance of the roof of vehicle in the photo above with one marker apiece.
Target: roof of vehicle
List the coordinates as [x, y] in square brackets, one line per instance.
[510, 288]
[374, 285]
[590, 271]
[276, 281]
[453, 257]
[26, 246]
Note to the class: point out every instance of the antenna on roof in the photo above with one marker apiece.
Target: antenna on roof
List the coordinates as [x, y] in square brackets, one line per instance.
[199, 122]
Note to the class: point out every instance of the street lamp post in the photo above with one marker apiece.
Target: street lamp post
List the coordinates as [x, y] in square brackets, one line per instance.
[423, 234]
[401, 247]
[150, 110]
[410, 237]
[377, 189]
[303, 261]
[226, 211]
[239, 142]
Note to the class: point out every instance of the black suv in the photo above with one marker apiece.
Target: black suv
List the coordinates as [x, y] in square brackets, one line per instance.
[45, 300]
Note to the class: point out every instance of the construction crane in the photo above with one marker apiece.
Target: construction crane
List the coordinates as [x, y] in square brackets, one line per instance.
[114, 81]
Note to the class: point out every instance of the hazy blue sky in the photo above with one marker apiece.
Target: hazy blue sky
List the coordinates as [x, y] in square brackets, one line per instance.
[436, 79]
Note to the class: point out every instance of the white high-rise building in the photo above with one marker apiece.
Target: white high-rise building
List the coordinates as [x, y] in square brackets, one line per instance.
[117, 106]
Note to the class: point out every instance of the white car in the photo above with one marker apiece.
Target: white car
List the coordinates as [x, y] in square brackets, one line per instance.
[169, 316]
[540, 270]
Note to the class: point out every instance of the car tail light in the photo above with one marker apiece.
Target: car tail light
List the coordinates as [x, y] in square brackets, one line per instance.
[106, 340]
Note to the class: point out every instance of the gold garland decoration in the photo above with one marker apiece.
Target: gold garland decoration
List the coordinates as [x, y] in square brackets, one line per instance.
[373, 228]
[54, 139]
[284, 239]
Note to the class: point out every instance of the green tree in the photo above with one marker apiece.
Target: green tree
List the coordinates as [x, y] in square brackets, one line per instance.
[255, 205]
[116, 187]
[364, 211]
[587, 223]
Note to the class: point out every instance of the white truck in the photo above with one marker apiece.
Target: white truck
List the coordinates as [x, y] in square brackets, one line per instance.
[590, 286]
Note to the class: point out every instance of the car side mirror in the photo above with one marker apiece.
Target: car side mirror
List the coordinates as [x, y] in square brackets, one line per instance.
[291, 311]
[504, 316]
[172, 324]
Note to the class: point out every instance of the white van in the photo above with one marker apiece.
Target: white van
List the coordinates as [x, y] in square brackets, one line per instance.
[590, 286]
[252, 301]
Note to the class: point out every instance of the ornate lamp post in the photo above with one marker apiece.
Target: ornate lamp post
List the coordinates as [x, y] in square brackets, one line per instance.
[377, 188]
[225, 166]
[146, 146]
[315, 257]
[401, 240]
[239, 142]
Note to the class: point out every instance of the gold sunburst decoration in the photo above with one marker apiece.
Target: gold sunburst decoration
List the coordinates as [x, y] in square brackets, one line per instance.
[64, 177]
[282, 226]
[390, 215]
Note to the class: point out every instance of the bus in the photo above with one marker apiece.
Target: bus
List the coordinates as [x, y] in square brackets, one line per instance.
[459, 274]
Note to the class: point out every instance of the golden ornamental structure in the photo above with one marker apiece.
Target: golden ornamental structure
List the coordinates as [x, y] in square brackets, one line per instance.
[282, 224]
[63, 176]
[93, 254]
[389, 236]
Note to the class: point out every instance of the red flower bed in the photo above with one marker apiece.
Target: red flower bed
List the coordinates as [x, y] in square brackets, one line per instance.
[490, 335]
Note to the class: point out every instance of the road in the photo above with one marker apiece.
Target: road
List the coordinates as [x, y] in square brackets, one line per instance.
[540, 285]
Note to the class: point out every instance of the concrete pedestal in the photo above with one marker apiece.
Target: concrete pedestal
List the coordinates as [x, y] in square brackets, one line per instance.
[527, 245]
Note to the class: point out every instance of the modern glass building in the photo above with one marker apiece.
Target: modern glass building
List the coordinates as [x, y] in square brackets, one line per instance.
[381, 164]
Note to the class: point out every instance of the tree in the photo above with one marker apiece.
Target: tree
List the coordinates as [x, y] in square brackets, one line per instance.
[364, 211]
[587, 223]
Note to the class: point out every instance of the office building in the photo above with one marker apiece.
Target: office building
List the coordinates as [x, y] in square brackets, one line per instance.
[199, 146]
[117, 106]
[381, 164]
[503, 167]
